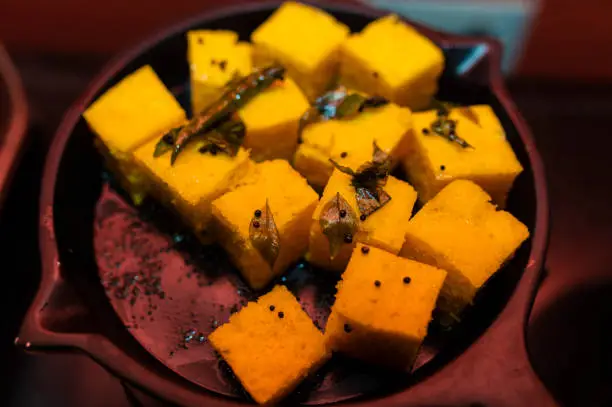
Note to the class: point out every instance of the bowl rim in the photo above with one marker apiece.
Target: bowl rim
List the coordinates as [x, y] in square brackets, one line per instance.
[13, 134]
[508, 329]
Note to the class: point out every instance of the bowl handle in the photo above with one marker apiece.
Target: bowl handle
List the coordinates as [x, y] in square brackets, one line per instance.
[39, 335]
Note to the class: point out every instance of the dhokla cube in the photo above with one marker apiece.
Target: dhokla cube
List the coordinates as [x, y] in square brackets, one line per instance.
[132, 112]
[215, 58]
[383, 307]
[384, 228]
[305, 40]
[433, 161]
[271, 345]
[392, 59]
[193, 182]
[273, 184]
[348, 141]
[462, 232]
[271, 120]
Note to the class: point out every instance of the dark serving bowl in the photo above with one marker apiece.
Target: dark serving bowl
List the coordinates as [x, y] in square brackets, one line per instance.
[88, 232]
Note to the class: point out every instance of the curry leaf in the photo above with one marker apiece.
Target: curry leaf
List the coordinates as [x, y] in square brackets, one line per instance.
[350, 105]
[369, 181]
[445, 127]
[236, 96]
[338, 222]
[165, 143]
[342, 168]
[374, 101]
[368, 202]
[264, 235]
[336, 104]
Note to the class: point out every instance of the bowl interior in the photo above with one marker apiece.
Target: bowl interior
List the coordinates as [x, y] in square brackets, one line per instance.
[169, 292]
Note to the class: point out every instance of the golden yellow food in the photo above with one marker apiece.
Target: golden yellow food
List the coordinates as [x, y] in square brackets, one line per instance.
[271, 120]
[383, 307]
[215, 57]
[132, 112]
[384, 229]
[291, 201]
[349, 141]
[433, 162]
[392, 59]
[193, 182]
[271, 345]
[462, 232]
[310, 107]
[305, 40]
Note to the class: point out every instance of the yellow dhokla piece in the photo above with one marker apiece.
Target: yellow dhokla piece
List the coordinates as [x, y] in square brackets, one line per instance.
[291, 201]
[132, 112]
[305, 40]
[433, 161]
[392, 59]
[383, 307]
[271, 120]
[384, 229]
[215, 58]
[193, 182]
[349, 141]
[271, 345]
[460, 231]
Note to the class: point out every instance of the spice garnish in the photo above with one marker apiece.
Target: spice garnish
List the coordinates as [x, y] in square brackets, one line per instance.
[337, 104]
[369, 180]
[264, 235]
[166, 142]
[337, 227]
[445, 127]
[226, 138]
[219, 112]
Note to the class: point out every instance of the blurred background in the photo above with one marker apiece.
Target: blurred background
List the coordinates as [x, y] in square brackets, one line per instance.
[558, 63]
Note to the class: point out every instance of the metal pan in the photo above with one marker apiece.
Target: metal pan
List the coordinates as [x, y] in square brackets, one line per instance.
[89, 233]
